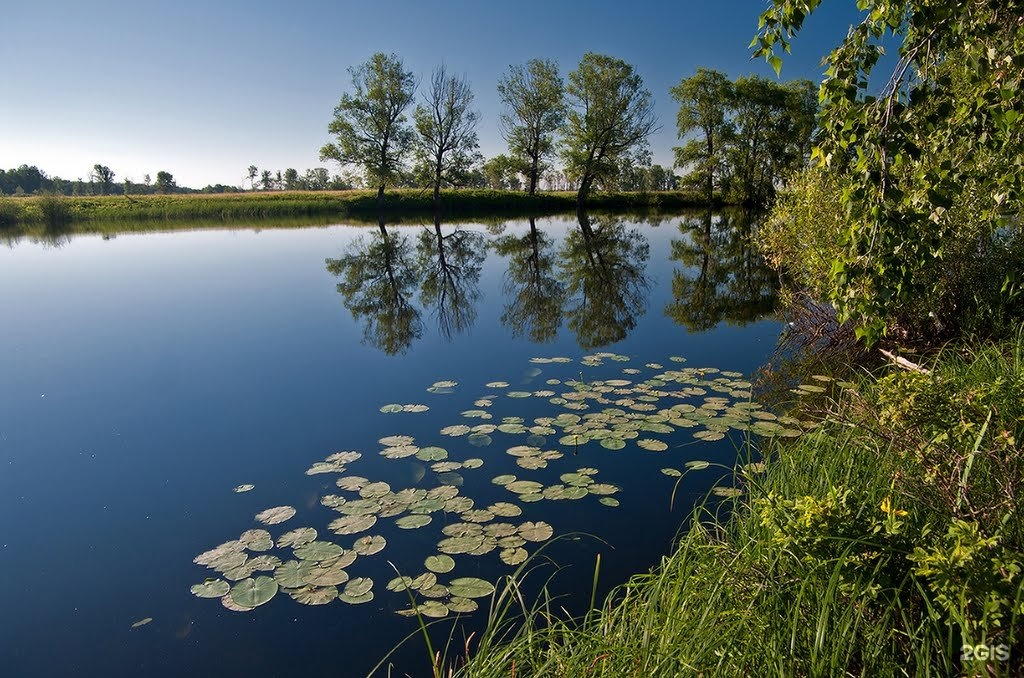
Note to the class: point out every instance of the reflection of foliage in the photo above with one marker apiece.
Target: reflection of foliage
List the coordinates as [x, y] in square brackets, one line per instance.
[603, 272]
[731, 283]
[450, 269]
[536, 295]
[378, 280]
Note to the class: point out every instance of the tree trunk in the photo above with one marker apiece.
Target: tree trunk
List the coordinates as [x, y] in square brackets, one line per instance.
[534, 172]
[380, 197]
[584, 192]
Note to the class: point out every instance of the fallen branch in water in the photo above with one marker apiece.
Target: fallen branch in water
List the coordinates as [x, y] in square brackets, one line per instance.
[903, 362]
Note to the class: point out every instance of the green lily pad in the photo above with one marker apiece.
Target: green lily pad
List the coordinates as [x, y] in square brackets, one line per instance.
[479, 440]
[609, 501]
[424, 581]
[470, 587]
[505, 509]
[352, 524]
[473, 463]
[393, 407]
[273, 516]
[296, 537]
[374, 490]
[318, 550]
[652, 445]
[671, 472]
[451, 478]
[461, 605]
[524, 487]
[411, 522]
[243, 488]
[503, 480]
[290, 575]
[708, 435]
[457, 545]
[358, 586]
[513, 556]
[613, 443]
[496, 384]
[322, 574]
[432, 608]
[602, 489]
[432, 454]
[456, 430]
[314, 595]
[352, 483]
[536, 531]
[399, 584]
[697, 465]
[254, 592]
[256, 540]
[211, 588]
[392, 441]
[440, 563]
[369, 545]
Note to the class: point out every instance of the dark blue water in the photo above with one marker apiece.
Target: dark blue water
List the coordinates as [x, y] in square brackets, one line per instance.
[142, 377]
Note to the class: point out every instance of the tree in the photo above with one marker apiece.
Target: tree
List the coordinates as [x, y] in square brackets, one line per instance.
[449, 267]
[609, 119]
[165, 182]
[291, 179]
[446, 124]
[103, 176]
[932, 159]
[371, 130]
[502, 173]
[704, 101]
[267, 181]
[534, 110]
[251, 175]
[535, 295]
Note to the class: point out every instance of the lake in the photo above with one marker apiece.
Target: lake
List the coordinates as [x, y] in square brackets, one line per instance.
[148, 376]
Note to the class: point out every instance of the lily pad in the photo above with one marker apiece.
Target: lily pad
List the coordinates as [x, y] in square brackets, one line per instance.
[352, 524]
[358, 586]
[503, 480]
[470, 587]
[314, 595]
[411, 522]
[479, 440]
[290, 575]
[697, 465]
[432, 608]
[399, 584]
[505, 509]
[391, 441]
[440, 563]
[323, 574]
[243, 488]
[319, 550]
[296, 537]
[652, 445]
[613, 443]
[389, 409]
[432, 454]
[369, 545]
[462, 605]
[211, 588]
[254, 592]
[671, 472]
[273, 516]
[536, 531]
[609, 501]
[256, 540]
[513, 556]
[147, 620]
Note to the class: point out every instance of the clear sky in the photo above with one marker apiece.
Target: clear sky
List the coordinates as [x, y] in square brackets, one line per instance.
[204, 89]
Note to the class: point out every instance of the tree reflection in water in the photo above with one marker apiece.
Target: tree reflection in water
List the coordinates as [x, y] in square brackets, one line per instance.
[536, 296]
[449, 269]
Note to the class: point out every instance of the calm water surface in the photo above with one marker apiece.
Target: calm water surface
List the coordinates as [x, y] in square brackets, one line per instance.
[144, 376]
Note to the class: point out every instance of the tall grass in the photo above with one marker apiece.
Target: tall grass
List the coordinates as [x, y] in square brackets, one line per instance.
[837, 559]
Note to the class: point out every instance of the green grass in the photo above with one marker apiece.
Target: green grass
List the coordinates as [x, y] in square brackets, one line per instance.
[877, 545]
[284, 204]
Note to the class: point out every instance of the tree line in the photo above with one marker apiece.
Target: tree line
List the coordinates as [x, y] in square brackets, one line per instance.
[745, 136]
[588, 131]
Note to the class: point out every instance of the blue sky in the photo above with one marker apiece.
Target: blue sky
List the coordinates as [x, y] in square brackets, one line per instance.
[204, 89]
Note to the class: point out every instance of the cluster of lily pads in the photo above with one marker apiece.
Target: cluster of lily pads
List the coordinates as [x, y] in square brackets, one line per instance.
[611, 413]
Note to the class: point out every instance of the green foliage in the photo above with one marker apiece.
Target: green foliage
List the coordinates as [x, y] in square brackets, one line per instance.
[609, 119]
[446, 124]
[369, 122]
[534, 110]
[165, 182]
[934, 160]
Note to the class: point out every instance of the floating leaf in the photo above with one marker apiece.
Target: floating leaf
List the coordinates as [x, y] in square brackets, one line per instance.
[318, 550]
[727, 491]
[322, 574]
[470, 587]
[415, 407]
[513, 556]
[243, 488]
[432, 608]
[352, 524]
[497, 384]
[393, 407]
[374, 490]
[602, 489]
[609, 501]
[254, 592]
[358, 586]
[392, 441]
[314, 595]
[228, 602]
[450, 478]
[292, 574]
[296, 537]
[411, 522]
[399, 584]
[211, 588]
[256, 540]
[535, 531]
[708, 435]
[505, 509]
[355, 600]
[652, 445]
[503, 480]
[142, 622]
[524, 487]
[369, 545]
[456, 430]
[671, 472]
[462, 605]
[273, 516]
[440, 564]
[697, 465]
[479, 440]
[424, 581]
[473, 463]
[352, 483]
[613, 443]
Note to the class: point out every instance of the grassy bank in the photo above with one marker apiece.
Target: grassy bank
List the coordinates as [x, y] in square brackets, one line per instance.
[280, 204]
[886, 542]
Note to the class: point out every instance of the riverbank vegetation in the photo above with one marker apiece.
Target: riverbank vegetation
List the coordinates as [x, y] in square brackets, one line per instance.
[355, 204]
[889, 540]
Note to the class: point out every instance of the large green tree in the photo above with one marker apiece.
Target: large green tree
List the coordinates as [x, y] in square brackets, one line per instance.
[446, 123]
[704, 102]
[609, 118]
[931, 152]
[104, 177]
[369, 124]
[533, 96]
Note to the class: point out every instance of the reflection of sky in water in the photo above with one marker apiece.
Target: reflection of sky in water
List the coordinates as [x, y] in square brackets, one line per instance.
[146, 375]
